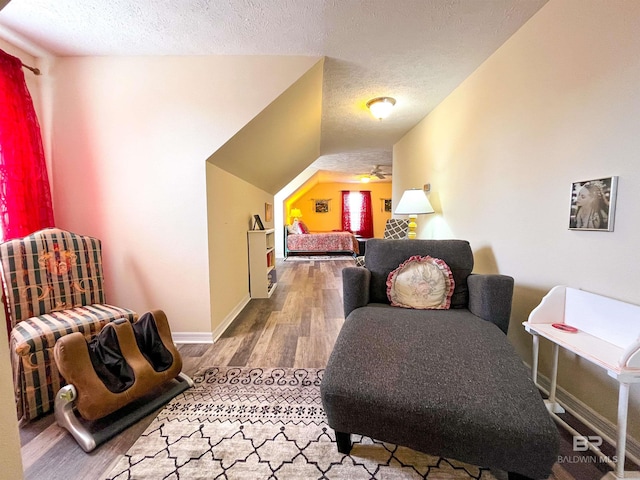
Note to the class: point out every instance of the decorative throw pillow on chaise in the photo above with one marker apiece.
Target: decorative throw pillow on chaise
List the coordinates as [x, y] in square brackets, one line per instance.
[421, 283]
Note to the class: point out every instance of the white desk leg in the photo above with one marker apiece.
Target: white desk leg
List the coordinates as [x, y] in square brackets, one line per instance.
[552, 405]
[621, 446]
[534, 364]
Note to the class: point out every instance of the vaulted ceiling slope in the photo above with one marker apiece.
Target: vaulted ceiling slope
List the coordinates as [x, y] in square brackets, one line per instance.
[280, 141]
[416, 51]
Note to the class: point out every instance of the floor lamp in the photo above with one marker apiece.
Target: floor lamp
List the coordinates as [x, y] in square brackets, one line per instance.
[414, 202]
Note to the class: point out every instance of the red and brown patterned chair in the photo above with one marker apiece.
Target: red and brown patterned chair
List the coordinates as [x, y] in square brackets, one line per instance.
[53, 285]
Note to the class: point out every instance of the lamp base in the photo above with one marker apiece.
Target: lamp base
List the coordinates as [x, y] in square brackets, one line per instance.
[411, 235]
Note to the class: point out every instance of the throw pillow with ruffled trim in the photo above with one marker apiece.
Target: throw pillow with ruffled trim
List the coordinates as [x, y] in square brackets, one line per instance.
[421, 283]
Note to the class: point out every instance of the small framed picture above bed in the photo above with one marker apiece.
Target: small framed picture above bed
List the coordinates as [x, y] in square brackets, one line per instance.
[386, 205]
[322, 206]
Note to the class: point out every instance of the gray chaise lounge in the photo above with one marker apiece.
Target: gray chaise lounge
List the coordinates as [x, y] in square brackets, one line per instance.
[443, 382]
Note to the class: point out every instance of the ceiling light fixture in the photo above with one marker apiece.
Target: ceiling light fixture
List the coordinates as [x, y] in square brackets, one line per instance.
[365, 179]
[381, 106]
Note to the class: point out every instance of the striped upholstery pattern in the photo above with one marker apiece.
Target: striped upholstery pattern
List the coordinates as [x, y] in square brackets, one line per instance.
[53, 285]
[51, 270]
[42, 332]
[35, 372]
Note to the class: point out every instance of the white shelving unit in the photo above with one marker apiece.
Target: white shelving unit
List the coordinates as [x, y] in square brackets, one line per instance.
[262, 263]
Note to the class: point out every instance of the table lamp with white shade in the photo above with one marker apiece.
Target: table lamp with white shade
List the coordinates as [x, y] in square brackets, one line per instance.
[414, 202]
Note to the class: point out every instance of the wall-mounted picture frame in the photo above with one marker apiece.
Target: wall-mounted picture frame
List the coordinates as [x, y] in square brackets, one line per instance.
[593, 204]
[257, 222]
[386, 205]
[268, 212]
[322, 206]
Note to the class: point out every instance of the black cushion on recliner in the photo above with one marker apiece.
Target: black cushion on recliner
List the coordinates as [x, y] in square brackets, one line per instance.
[382, 260]
[150, 344]
[108, 361]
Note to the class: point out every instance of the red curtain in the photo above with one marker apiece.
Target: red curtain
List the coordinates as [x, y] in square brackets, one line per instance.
[366, 216]
[346, 211]
[357, 214]
[25, 198]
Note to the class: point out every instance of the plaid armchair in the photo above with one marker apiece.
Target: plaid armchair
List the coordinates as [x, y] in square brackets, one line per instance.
[53, 285]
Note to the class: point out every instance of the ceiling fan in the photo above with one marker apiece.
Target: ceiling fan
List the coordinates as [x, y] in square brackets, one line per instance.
[377, 171]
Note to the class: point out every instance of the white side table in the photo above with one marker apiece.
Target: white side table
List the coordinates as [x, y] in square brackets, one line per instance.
[608, 336]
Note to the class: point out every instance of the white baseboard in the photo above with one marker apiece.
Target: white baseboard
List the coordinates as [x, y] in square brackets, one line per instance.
[231, 316]
[192, 337]
[592, 419]
[211, 337]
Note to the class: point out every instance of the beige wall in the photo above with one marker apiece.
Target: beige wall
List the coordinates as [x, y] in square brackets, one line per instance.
[130, 142]
[282, 140]
[245, 173]
[10, 460]
[326, 222]
[228, 261]
[557, 103]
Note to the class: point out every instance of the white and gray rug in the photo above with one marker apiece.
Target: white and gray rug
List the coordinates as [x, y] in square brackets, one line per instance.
[258, 423]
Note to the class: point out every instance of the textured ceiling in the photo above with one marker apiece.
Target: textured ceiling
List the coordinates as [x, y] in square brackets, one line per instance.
[416, 51]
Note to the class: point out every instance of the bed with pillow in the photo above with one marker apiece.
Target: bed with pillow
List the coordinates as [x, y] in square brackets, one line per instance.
[298, 240]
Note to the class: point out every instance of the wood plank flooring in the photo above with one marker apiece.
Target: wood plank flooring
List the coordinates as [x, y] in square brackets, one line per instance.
[296, 327]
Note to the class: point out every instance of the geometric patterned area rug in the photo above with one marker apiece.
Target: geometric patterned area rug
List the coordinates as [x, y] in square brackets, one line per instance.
[266, 423]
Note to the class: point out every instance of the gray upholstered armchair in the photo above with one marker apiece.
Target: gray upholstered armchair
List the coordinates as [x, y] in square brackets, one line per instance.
[445, 382]
[485, 296]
